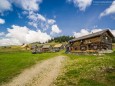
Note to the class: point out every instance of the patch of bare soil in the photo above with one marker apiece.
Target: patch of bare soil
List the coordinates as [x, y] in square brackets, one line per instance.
[41, 74]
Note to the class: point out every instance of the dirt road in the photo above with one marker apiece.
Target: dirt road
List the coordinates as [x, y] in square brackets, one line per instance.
[41, 74]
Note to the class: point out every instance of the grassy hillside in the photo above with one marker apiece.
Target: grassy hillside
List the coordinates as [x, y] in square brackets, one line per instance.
[88, 70]
[13, 61]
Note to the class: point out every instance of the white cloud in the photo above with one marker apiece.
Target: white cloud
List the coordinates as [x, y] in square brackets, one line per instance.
[51, 21]
[39, 21]
[33, 24]
[29, 5]
[55, 29]
[2, 33]
[41, 17]
[36, 17]
[84, 32]
[82, 4]
[9, 41]
[5, 5]
[108, 11]
[30, 9]
[81, 33]
[25, 12]
[113, 32]
[2, 21]
[19, 35]
[95, 30]
[37, 36]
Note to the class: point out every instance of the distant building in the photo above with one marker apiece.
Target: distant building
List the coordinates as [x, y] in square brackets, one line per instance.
[94, 42]
[36, 48]
[58, 47]
[47, 48]
[25, 47]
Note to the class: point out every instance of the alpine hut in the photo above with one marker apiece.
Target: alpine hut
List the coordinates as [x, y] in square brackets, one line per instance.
[58, 47]
[47, 48]
[94, 42]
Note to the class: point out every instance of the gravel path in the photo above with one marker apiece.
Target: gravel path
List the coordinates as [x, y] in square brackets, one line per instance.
[41, 74]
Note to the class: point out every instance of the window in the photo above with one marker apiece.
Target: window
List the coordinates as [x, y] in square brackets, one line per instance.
[71, 48]
[75, 48]
[83, 48]
[95, 47]
[106, 37]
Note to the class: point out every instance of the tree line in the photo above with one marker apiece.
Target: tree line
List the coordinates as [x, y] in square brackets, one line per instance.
[61, 39]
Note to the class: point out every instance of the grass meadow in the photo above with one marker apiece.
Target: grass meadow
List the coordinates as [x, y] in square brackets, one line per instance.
[14, 61]
[88, 70]
[80, 70]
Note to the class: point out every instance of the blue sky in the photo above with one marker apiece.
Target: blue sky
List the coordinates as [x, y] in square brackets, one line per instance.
[50, 18]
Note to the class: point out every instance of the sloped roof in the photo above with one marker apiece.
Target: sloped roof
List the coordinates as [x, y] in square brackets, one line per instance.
[92, 35]
[25, 45]
[46, 46]
[58, 45]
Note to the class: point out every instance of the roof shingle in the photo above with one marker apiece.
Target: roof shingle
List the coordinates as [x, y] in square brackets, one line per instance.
[90, 35]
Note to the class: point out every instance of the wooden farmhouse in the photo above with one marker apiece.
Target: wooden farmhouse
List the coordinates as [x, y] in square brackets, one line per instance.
[25, 47]
[46, 48]
[34, 49]
[58, 47]
[94, 42]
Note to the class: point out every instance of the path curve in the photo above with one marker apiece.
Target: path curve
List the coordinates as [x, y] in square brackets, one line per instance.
[41, 74]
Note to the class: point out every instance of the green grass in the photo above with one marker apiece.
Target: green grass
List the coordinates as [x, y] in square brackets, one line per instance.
[88, 70]
[13, 61]
[80, 70]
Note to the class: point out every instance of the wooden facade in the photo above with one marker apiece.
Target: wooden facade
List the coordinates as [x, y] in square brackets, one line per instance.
[58, 47]
[46, 48]
[94, 42]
